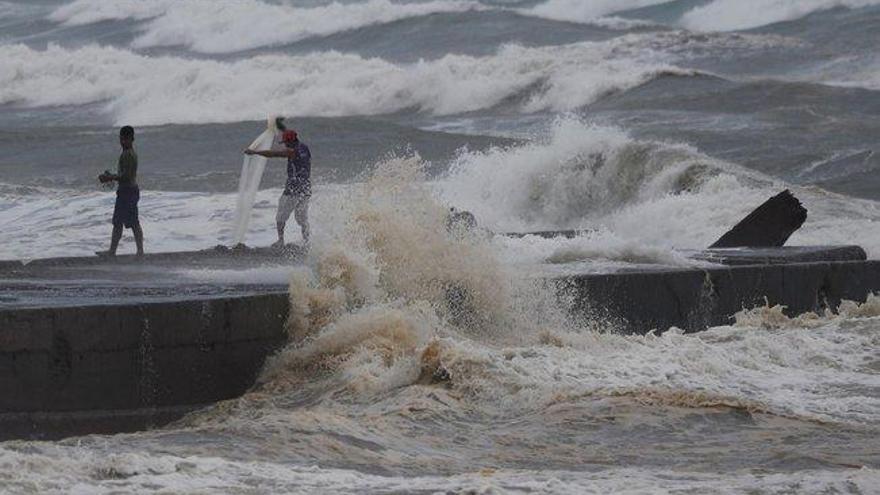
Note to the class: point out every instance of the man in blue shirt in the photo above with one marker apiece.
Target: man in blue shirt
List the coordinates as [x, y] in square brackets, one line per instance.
[298, 189]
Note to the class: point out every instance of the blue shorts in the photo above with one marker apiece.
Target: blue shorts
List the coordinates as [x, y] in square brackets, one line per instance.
[125, 212]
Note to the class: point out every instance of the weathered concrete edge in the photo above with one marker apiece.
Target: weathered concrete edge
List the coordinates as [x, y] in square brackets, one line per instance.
[695, 299]
[122, 357]
[104, 326]
[53, 425]
[290, 253]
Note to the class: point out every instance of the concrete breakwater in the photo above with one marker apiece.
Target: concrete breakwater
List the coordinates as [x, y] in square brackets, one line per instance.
[120, 361]
[109, 368]
[695, 299]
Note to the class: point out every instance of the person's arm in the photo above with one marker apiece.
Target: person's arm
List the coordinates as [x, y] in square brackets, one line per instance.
[287, 153]
[108, 177]
[125, 170]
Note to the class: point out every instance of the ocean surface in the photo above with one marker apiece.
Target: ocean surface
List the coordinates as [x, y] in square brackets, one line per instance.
[656, 125]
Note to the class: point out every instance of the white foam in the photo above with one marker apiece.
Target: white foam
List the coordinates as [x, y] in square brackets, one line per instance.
[795, 372]
[387, 340]
[644, 199]
[607, 246]
[153, 90]
[645, 203]
[96, 468]
[580, 175]
[731, 15]
[583, 11]
[173, 221]
[374, 327]
[211, 26]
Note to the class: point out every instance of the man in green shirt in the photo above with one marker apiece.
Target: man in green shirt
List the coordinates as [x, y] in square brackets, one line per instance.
[125, 213]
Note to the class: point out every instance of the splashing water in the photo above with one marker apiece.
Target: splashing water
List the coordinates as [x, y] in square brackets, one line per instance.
[396, 292]
[390, 379]
[384, 371]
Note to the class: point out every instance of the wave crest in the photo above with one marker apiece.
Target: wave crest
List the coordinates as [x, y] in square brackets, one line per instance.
[581, 173]
[157, 90]
[732, 15]
[586, 12]
[228, 26]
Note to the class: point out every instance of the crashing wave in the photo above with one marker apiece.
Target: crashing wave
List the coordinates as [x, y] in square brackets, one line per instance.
[158, 90]
[235, 25]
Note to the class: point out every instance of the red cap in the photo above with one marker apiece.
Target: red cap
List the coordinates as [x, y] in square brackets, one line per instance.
[288, 136]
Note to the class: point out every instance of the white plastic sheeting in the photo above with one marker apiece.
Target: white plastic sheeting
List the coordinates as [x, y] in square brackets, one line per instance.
[252, 168]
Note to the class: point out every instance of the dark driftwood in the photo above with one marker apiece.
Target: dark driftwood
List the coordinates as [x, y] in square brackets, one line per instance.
[770, 225]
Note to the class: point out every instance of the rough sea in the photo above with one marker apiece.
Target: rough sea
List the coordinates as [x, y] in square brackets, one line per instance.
[652, 125]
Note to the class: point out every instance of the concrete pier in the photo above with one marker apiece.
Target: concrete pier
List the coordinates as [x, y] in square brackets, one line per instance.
[110, 368]
[100, 346]
[91, 345]
[695, 299]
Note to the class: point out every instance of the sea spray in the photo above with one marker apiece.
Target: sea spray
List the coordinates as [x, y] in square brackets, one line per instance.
[252, 167]
[372, 310]
[774, 318]
[378, 375]
[734, 409]
[394, 299]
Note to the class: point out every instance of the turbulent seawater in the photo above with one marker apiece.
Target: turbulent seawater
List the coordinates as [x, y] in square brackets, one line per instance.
[654, 124]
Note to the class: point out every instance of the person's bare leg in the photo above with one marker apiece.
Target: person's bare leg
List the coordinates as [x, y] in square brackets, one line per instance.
[301, 214]
[281, 217]
[280, 227]
[304, 226]
[138, 238]
[114, 239]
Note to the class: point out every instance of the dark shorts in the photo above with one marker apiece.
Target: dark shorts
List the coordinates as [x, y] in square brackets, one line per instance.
[125, 212]
[298, 186]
